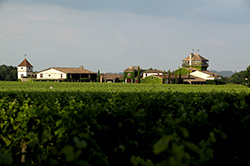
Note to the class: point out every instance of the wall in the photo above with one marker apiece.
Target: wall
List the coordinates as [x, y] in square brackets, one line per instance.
[24, 70]
[202, 75]
[51, 74]
[149, 74]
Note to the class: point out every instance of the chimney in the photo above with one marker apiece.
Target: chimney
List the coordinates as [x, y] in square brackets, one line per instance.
[190, 58]
[81, 67]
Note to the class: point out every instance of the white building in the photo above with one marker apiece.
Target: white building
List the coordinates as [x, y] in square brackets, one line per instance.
[153, 72]
[206, 75]
[24, 69]
[65, 73]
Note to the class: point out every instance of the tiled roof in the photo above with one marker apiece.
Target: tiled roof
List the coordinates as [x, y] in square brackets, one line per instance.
[112, 76]
[68, 70]
[25, 63]
[133, 68]
[154, 71]
[196, 57]
[210, 73]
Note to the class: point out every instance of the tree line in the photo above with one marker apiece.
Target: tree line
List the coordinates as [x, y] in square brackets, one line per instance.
[8, 73]
[240, 77]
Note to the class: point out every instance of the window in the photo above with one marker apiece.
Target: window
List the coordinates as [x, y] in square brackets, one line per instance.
[61, 75]
[41, 75]
[21, 68]
[49, 75]
[128, 74]
[152, 77]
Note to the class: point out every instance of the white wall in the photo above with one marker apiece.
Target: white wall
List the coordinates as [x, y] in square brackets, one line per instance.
[202, 75]
[149, 74]
[23, 70]
[51, 74]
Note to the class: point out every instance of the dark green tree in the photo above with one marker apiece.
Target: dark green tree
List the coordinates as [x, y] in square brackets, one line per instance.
[175, 77]
[169, 76]
[8, 73]
[98, 76]
[180, 76]
[138, 75]
[164, 79]
[238, 78]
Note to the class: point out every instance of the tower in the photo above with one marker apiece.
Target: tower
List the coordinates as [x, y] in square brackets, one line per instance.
[195, 61]
[24, 68]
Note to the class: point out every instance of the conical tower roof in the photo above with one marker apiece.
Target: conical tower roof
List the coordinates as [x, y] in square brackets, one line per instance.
[25, 63]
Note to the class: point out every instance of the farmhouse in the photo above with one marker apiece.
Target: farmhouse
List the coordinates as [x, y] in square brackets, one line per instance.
[68, 74]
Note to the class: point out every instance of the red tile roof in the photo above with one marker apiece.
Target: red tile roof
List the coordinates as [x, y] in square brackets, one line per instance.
[25, 63]
[68, 70]
[112, 76]
[133, 68]
[196, 57]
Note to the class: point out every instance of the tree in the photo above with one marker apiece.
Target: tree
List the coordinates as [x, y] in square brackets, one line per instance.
[8, 73]
[169, 76]
[98, 76]
[138, 75]
[164, 79]
[175, 76]
[238, 78]
[247, 75]
[179, 76]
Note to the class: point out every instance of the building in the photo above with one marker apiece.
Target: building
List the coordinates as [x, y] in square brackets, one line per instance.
[130, 74]
[195, 61]
[67, 74]
[24, 69]
[152, 72]
[207, 75]
[112, 78]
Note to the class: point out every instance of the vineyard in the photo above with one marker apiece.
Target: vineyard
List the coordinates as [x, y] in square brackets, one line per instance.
[45, 123]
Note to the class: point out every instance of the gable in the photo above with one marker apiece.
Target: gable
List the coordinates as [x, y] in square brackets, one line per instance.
[51, 71]
[25, 63]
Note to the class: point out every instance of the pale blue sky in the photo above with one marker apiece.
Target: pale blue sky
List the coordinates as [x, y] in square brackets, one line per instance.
[112, 35]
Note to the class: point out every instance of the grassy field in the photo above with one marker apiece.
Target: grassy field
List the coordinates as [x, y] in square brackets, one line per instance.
[121, 87]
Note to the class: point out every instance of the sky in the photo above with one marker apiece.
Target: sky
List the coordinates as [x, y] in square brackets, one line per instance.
[111, 35]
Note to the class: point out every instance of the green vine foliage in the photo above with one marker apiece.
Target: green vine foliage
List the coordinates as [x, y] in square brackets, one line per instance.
[146, 127]
[131, 76]
[152, 80]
